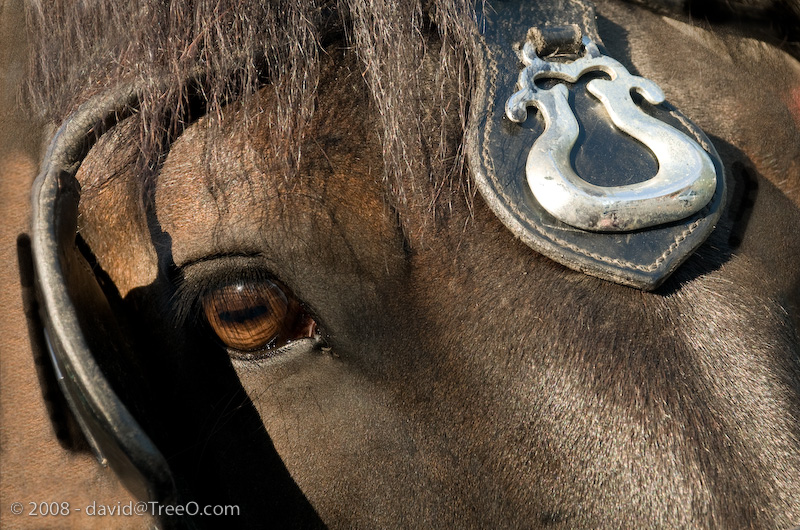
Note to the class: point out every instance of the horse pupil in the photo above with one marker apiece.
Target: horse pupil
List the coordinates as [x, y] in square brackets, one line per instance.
[241, 316]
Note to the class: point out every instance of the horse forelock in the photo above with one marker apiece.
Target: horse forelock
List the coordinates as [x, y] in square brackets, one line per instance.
[203, 54]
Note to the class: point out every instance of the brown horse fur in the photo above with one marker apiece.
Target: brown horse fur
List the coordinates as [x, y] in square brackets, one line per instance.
[466, 381]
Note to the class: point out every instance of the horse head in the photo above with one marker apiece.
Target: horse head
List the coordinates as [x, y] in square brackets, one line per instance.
[272, 242]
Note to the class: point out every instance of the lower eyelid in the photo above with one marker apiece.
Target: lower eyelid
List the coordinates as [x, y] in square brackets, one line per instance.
[287, 351]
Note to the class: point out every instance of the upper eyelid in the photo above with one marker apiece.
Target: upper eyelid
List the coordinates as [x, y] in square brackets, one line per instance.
[217, 257]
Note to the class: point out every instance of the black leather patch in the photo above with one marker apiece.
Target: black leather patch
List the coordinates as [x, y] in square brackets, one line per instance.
[498, 150]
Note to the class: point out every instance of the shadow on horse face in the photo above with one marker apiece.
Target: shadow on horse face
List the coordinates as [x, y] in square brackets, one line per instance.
[459, 377]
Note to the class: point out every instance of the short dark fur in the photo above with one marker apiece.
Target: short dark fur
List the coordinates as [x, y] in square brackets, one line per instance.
[775, 21]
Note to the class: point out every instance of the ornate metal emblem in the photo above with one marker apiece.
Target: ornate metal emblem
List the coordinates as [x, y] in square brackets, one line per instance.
[686, 178]
[583, 161]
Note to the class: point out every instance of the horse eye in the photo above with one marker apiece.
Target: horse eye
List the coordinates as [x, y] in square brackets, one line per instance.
[256, 315]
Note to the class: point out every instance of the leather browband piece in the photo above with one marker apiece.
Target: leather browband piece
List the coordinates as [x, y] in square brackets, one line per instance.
[617, 186]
